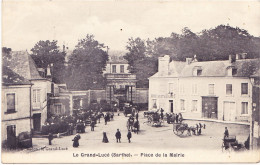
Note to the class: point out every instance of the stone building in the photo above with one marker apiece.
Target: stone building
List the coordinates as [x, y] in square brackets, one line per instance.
[21, 63]
[219, 90]
[121, 84]
[15, 107]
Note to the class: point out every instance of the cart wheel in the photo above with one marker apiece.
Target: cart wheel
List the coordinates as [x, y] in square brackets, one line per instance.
[179, 131]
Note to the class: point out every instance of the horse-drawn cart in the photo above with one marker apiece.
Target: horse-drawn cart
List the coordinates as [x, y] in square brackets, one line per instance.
[154, 120]
[230, 143]
[180, 128]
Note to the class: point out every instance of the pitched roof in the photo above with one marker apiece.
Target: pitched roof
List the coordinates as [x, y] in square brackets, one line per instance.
[175, 68]
[116, 56]
[245, 68]
[22, 63]
[11, 78]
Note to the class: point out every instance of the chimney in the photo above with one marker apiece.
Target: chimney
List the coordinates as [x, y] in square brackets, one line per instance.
[243, 55]
[238, 56]
[163, 65]
[231, 59]
[48, 74]
[188, 61]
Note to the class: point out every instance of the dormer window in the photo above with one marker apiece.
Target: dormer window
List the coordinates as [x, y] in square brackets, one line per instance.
[234, 71]
[231, 71]
[197, 71]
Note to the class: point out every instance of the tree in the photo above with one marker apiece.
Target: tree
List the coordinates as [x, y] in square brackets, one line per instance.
[137, 49]
[86, 64]
[46, 53]
[140, 60]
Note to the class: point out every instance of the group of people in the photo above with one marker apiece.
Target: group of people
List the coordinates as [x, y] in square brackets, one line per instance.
[118, 136]
[174, 118]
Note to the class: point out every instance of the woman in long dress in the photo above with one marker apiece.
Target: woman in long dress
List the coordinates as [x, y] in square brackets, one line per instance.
[105, 139]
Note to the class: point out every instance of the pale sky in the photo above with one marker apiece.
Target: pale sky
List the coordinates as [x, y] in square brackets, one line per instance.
[26, 22]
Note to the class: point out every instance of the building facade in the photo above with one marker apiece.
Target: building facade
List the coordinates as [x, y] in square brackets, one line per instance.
[22, 64]
[219, 90]
[15, 107]
[121, 84]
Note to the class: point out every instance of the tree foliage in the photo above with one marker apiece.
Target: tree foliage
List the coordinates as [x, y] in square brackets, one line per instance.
[46, 53]
[86, 64]
[212, 44]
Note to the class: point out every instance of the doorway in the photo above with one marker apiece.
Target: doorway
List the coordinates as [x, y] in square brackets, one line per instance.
[37, 122]
[171, 105]
[210, 107]
[11, 136]
[229, 111]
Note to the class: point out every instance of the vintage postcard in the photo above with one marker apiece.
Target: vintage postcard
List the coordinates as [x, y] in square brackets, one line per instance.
[120, 81]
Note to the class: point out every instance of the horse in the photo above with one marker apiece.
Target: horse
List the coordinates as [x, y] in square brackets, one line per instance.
[136, 126]
[130, 123]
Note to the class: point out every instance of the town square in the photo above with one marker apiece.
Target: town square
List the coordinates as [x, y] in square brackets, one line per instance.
[130, 82]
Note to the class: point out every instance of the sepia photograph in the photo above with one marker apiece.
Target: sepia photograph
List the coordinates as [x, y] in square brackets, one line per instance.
[120, 81]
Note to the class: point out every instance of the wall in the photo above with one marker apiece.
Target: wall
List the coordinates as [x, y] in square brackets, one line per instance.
[44, 86]
[22, 107]
[142, 95]
[220, 92]
[109, 68]
[159, 89]
[182, 89]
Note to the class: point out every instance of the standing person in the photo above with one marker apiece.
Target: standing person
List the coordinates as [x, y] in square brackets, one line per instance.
[177, 118]
[226, 133]
[136, 116]
[162, 113]
[118, 136]
[105, 118]
[180, 117]
[92, 124]
[50, 137]
[129, 136]
[99, 116]
[105, 139]
[76, 140]
[173, 117]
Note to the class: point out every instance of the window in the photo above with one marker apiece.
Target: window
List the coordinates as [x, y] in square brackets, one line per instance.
[228, 89]
[194, 89]
[122, 69]
[199, 72]
[182, 104]
[170, 88]
[113, 68]
[211, 89]
[58, 109]
[244, 110]
[10, 97]
[154, 103]
[36, 98]
[234, 71]
[194, 105]
[244, 88]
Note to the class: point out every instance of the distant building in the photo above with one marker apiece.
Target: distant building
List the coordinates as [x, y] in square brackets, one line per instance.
[212, 89]
[121, 84]
[15, 107]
